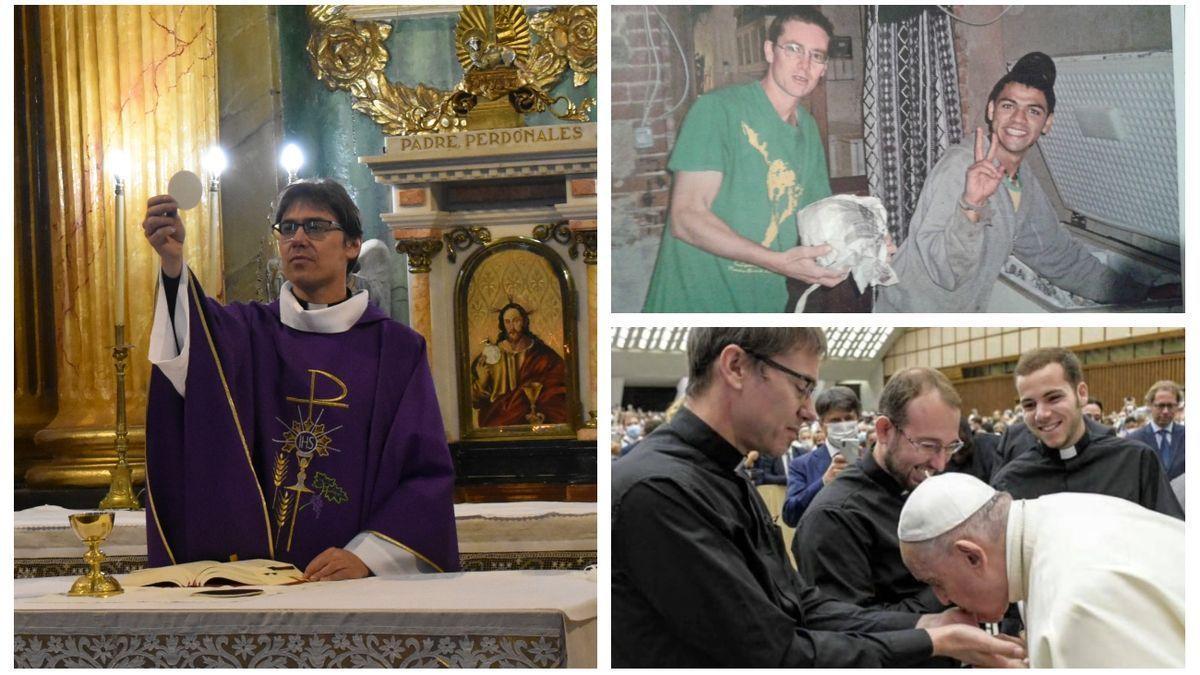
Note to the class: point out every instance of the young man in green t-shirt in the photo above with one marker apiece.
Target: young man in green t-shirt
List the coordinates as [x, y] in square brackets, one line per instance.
[747, 159]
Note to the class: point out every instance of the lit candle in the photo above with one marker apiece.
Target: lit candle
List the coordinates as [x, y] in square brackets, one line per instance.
[292, 158]
[119, 165]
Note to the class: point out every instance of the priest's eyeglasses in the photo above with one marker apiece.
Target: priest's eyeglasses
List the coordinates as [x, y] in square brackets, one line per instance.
[933, 447]
[314, 229]
[795, 52]
[808, 384]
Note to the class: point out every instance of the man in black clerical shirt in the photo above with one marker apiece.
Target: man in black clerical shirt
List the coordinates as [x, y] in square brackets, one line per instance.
[700, 576]
[847, 537]
[979, 455]
[1074, 454]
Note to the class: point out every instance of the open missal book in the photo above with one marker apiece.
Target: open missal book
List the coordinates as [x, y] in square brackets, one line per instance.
[213, 573]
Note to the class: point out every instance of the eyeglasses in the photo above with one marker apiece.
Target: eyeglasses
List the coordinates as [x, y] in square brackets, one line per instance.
[796, 52]
[1164, 406]
[933, 447]
[805, 390]
[313, 228]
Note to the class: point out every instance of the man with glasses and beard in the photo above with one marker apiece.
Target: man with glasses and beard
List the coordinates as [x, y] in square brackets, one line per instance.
[700, 575]
[847, 539]
[1072, 453]
[305, 431]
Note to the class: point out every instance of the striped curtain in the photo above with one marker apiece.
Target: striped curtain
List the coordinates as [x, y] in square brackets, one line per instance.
[911, 107]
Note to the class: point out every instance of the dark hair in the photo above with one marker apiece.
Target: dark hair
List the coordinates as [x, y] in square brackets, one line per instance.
[967, 452]
[1097, 402]
[706, 344]
[909, 384]
[802, 13]
[1031, 362]
[838, 399]
[1036, 70]
[327, 194]
[524, 317]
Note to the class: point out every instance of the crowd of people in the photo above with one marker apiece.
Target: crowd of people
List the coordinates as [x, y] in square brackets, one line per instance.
[914, 523]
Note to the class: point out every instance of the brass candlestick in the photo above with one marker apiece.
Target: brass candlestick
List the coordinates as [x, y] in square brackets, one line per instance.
[120, 491]
[92, 528]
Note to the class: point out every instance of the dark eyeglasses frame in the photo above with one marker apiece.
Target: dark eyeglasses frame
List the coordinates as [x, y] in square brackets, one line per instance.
[307, 225]
[810, 385]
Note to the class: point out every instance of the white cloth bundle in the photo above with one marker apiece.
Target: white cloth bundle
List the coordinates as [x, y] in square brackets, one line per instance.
[856, 229]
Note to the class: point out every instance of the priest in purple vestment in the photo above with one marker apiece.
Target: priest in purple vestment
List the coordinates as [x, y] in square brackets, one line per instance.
[304, 431]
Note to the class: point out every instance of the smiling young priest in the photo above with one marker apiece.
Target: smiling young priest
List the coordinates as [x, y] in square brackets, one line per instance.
[306, 430]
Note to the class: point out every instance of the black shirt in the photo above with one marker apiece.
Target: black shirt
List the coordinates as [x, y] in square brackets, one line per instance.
[848, 547]
[1104, 464]
[980, 459]
[700, 576]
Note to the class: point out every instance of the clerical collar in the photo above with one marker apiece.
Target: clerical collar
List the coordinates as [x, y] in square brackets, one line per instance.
[1071, 451]
[335, 318]
[1014, 551]
[696, 433]
[880, 475]
[316, 305]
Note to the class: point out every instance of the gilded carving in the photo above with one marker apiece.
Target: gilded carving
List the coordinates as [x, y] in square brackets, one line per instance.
[587, 239]
[462, 238]
[350, 55]
[494, 47]
[559, 232]
[420, 253]
[568, 34]
[491, 37]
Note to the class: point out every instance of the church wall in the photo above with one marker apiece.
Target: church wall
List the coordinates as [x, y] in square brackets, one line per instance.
[251, 126]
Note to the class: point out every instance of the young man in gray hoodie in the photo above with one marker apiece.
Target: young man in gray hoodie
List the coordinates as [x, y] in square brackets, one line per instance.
[965, 226]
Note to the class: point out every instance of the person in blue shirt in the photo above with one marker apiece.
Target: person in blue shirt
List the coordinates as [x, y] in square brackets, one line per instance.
[810, 472]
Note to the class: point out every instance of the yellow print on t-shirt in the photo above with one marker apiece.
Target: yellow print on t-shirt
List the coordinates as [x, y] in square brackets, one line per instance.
[782, 190]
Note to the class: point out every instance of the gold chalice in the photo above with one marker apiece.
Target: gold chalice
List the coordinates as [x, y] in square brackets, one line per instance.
[92, 528]
[532, 391]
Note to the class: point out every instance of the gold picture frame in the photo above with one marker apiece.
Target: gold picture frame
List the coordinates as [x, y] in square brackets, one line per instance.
[515, 314]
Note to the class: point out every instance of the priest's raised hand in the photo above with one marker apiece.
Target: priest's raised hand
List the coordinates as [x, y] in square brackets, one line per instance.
[335, 564]
[165, 232]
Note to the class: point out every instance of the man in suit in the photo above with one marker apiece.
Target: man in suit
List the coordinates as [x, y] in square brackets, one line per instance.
[837, 407]
[1163, 433]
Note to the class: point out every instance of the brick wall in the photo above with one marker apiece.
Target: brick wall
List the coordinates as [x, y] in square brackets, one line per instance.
[641, 184]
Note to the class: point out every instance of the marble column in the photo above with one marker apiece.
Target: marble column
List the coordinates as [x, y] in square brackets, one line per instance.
[420, 246]
[113, 77]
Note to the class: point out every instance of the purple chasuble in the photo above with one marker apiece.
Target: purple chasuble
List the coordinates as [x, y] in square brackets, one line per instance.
[289, 442]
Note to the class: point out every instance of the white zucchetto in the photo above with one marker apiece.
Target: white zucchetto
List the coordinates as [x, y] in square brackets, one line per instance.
[940, 504]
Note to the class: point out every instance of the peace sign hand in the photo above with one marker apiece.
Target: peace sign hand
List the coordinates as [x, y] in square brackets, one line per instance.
[983, 177]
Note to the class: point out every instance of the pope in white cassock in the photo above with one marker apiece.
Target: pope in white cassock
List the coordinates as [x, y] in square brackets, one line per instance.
[1099, 579]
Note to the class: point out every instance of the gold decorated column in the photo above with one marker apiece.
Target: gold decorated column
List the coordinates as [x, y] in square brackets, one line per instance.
[420, 246]
[140, 79]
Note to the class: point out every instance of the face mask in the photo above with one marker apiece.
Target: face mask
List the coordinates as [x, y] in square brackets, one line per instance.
[843, 437]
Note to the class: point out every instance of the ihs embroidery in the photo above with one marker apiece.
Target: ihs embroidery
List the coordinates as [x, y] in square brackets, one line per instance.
[305, 438]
